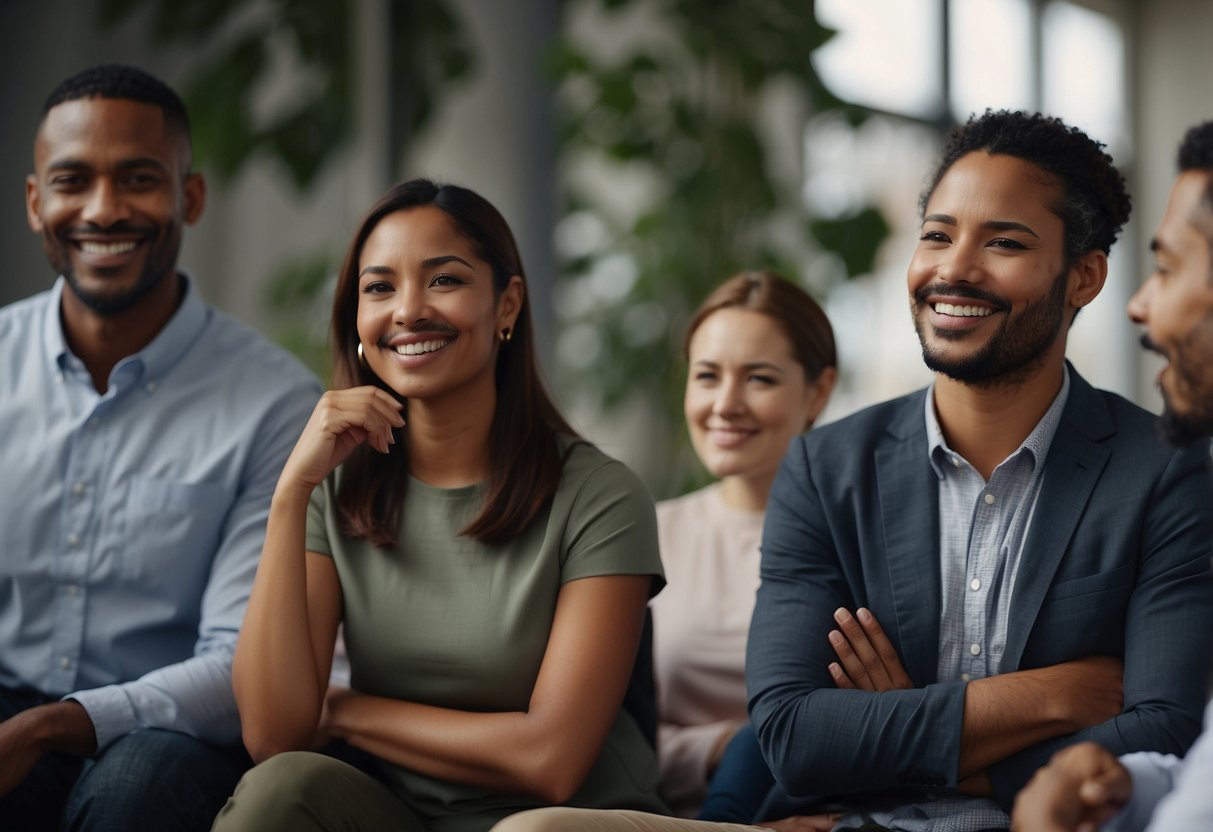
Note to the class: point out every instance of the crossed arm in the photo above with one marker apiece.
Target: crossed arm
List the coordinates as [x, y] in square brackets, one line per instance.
[1003, 714]
[823, 739]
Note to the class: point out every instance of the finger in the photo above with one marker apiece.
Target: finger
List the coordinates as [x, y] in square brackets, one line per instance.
[883, 646]
[851, 664]
[841, 680]
[863, 649]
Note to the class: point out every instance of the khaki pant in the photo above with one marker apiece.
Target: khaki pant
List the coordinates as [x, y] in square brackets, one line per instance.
[563, 819]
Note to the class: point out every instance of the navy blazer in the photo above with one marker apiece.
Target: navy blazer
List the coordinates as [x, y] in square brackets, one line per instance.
[1116, 562]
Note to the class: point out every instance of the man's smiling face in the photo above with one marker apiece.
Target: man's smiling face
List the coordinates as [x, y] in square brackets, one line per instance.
[110, 194]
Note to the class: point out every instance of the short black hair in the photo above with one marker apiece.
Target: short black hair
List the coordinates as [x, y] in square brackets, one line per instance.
[1196, 154]
[123, 82]
[1095, 204]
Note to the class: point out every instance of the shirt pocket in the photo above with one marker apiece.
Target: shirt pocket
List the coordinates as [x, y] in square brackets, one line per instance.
[171, 531]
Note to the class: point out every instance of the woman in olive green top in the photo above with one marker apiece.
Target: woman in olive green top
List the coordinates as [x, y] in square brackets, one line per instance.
[491, 569]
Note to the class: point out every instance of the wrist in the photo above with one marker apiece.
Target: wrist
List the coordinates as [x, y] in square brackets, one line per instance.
[62, 726]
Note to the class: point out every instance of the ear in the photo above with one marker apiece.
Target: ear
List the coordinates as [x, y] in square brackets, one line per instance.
[818, 395]
[195, 197]
[509, 303]
[33, 204]
[1087, 277]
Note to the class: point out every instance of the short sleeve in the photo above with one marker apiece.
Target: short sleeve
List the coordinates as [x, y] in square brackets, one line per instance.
[612, 526]
[318, 516]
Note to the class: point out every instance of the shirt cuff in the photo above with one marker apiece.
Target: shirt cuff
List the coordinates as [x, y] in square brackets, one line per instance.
[1152, 781]
[111, 711]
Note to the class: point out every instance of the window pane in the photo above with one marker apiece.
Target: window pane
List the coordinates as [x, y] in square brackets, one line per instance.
[990, 51]
[884, 54]
[1084, 65]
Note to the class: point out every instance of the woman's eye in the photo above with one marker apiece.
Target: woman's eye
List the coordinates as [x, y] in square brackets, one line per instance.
[376, 286]
[934, 237]
[445, 279]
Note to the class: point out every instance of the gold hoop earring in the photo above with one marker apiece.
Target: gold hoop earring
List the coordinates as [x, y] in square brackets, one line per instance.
[361, 357]
[505, 335]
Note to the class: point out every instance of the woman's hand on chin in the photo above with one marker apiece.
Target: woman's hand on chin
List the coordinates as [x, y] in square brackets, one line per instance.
[342, 420]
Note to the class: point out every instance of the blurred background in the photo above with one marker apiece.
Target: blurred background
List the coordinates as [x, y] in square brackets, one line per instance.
[642, 150]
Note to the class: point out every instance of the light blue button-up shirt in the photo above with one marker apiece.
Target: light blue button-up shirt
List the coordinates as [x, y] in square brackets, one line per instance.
[132, 521]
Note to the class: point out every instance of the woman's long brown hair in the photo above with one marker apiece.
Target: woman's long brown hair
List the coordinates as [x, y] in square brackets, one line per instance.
[525, 457]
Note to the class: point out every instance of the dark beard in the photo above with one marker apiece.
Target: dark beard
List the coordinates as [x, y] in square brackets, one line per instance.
[161, 262]
[1192, 364]
[1014, 352]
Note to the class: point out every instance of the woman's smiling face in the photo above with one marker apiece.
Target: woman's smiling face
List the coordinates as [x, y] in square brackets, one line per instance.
[747, 396]
[428, 315]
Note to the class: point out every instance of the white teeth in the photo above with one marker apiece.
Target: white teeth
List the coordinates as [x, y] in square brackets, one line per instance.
[423, 347]
[92, 247]
[963, 311]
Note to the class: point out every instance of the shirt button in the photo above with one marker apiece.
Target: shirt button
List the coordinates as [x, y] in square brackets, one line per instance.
[955, 461]
[72, 590]
[73, 539]
[77, 488]
[964, 677]
[65, 662]
[989, 498]
[975, 584]
[975, 649]
[151, 387]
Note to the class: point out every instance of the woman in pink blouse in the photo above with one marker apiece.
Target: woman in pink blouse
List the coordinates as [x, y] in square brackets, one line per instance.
[761, 362]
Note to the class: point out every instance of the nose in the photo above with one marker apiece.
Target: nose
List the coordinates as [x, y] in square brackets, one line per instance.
[959, 263]
[1139, 304]
[730, 399]
[412, 304]
[104, 204]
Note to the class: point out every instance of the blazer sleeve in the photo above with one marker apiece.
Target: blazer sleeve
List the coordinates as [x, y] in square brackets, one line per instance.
[1167, 625]
[817, 738]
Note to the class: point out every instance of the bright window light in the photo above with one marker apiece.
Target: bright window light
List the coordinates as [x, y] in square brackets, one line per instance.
[990, 50]
[884, 55]
[1084, 73]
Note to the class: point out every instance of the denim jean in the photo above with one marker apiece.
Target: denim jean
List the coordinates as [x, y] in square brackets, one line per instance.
[149, 779]
[741, 782]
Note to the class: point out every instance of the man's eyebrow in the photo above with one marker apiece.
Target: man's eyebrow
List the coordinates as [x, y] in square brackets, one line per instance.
[73, 163]
[1009, 225]
[992, 225]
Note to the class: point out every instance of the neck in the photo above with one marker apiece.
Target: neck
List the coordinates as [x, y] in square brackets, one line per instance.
[449, 439]
[986, 424]
[747, 493]
[101, 341]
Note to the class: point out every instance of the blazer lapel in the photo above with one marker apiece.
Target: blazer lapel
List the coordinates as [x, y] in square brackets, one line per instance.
[909, 513]
[1076, 459]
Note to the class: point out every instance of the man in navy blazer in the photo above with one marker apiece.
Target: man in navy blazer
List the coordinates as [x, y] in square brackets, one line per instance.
[957, 583]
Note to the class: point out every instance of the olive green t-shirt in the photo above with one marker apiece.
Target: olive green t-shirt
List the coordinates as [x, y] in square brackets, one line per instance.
[444, 620]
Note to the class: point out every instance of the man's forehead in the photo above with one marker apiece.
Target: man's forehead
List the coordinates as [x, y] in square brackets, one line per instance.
[90, 127]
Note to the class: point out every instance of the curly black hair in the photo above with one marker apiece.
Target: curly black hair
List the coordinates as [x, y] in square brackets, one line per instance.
[1094, 205]
[123, 82]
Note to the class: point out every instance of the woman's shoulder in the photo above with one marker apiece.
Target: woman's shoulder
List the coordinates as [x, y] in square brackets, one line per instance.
[592, 480]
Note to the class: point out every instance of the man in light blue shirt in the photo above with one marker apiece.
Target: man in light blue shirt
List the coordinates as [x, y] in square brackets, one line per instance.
[143, 434]
[1087, 785]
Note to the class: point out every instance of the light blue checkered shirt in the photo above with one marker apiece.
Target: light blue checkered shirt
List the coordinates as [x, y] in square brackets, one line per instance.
[982, 528]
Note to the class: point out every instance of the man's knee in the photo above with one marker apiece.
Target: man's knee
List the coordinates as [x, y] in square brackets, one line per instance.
[154, 779]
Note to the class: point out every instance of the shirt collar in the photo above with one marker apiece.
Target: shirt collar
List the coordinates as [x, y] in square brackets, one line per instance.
[1036, 444]
[169, 345]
